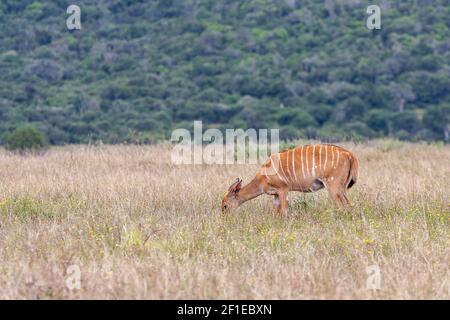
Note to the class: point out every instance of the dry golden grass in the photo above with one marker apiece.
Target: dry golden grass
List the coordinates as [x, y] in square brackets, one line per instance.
[139, 227]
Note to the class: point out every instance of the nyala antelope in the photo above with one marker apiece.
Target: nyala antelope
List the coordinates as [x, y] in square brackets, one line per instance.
[306, 169]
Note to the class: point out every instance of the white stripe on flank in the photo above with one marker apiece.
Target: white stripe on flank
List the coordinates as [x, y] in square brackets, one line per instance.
[313, 170]
[306, 157]
[332, 156]
[282, 170]
[301, 160]
[320, 157]
[326, 158]
[293, 164]
[287, 166]
[273, 166]
[337, 161]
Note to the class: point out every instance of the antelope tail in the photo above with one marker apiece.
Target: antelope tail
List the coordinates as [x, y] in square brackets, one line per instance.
[353, 174]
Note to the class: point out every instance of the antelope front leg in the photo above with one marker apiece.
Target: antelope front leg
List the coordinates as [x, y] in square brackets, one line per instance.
[283, 207]
[276, 203]
[280, 203]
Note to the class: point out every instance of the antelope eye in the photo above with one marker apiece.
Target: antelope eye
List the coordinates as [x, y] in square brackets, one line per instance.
[225, 206]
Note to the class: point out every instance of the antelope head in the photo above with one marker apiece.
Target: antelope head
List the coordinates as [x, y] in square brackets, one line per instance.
[230, 200]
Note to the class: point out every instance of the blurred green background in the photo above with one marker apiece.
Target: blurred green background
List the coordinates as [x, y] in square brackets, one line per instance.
[139, 69]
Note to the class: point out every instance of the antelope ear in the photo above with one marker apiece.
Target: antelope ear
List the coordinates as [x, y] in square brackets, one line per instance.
[235, 187]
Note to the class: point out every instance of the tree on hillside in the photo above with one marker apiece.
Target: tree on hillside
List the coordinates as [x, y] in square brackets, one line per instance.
[25, 138]
[438, 119]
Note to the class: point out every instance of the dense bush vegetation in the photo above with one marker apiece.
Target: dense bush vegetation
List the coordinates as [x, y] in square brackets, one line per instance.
[24, 139]
[139, 69]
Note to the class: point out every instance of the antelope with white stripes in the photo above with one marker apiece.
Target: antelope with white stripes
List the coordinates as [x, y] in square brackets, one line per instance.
[306, 169]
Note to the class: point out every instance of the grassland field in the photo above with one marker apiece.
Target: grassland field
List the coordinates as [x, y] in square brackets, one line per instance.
[137, 226]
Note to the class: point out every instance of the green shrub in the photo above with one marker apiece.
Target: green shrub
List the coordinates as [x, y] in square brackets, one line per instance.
[26, 138]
